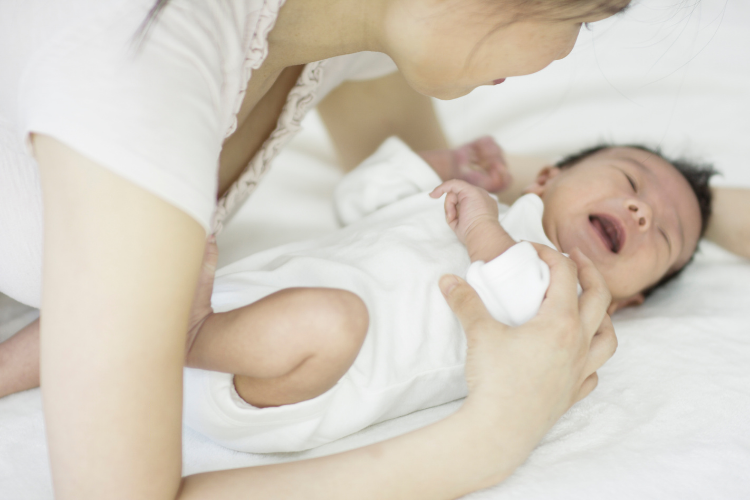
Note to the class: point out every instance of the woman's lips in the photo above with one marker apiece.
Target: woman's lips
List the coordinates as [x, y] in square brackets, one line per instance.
[610, 230]
[498, 81]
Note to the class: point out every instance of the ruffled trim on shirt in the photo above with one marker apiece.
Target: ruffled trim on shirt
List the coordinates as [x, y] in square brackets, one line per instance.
[295, 108]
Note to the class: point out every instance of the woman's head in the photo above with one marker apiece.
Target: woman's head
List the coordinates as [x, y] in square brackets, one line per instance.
[446, 48]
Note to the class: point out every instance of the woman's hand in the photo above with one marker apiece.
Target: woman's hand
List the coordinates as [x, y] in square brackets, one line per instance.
[525, 378]
[480, 162]
[201, 308]
[520, 381]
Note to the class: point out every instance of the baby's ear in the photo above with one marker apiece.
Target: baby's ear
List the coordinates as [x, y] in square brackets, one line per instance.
[632, 301]
[540, 183]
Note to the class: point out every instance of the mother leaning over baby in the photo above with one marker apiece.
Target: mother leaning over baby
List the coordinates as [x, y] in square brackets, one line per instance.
[130, 123]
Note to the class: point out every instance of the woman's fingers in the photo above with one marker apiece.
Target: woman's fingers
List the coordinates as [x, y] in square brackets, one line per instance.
[465, 303]
[595, 299]
[603, 346]
[589, 311]
[587, 386]
[591, 307]
[201, 307]
[562, 293]
[561, 341]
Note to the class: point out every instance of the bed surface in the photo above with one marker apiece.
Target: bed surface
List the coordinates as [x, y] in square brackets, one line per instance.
[671, 416]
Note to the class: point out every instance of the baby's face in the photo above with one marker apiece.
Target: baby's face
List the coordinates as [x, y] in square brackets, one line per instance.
[632, 213]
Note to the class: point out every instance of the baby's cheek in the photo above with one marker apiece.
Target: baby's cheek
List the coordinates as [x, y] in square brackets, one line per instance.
[622, 281]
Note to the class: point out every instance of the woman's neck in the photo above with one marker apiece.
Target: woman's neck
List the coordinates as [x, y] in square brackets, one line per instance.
[312, 30]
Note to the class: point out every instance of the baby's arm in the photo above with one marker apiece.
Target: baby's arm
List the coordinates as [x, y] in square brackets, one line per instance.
[473, 214]
[510, 278]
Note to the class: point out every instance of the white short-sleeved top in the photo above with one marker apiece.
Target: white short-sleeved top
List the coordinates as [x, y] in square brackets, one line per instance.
[155, 113]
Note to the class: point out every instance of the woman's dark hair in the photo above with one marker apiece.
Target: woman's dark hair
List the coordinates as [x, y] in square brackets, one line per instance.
[697, 174]
[562, 9]
[570, 9]
[149, 21]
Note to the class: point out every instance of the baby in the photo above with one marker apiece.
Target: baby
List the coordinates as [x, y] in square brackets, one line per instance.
[315, 340]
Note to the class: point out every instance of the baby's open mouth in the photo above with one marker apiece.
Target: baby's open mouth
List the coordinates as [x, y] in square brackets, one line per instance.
[609, 230]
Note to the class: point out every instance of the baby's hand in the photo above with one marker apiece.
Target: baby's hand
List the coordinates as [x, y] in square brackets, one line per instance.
[466, 207]
[472, 214]
[480, 162]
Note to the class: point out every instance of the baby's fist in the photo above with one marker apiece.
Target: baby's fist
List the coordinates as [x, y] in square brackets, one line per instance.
[467, 207]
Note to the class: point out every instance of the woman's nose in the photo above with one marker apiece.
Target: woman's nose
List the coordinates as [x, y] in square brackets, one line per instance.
[640, 212]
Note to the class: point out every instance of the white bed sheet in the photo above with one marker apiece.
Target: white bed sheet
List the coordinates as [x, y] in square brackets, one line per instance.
[671, 416]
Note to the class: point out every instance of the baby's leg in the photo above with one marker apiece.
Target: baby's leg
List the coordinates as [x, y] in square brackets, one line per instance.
[19, 361]
[288, 347]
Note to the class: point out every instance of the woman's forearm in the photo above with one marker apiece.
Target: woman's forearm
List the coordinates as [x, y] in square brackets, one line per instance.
[391, 106]
[520, 381]
[445, 460]
[730, 223]
[120, 271]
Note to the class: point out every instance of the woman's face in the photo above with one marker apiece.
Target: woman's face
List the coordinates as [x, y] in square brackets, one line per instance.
[447, 48]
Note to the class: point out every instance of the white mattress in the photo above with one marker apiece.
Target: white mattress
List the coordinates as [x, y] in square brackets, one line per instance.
[671, 416]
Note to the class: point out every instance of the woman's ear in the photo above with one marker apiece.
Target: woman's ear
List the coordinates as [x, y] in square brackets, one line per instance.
[540, 183]
[631, 301]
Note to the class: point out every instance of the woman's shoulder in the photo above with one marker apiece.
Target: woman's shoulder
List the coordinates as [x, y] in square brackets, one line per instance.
[115, 45]
[153, 106]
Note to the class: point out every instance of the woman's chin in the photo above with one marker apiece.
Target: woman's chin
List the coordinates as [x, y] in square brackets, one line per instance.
[442, 92]
[453, 93]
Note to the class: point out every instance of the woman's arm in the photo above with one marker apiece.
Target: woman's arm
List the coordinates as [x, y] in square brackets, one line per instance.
[391, 106]
[521, 380]
[120, 271]
[120, 268]
[730, 223]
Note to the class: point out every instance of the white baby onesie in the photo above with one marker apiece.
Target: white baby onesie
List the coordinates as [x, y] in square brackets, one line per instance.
[393, 248]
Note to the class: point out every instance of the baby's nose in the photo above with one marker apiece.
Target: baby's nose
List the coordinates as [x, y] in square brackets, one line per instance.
[641, 213]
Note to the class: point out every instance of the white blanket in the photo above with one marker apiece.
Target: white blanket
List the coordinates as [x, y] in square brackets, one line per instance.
[670, 419]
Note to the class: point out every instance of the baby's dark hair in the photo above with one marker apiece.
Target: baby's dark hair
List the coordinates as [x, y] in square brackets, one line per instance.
[697, 174]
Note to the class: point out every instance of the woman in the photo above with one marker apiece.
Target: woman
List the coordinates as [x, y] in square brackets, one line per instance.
[128, 133]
